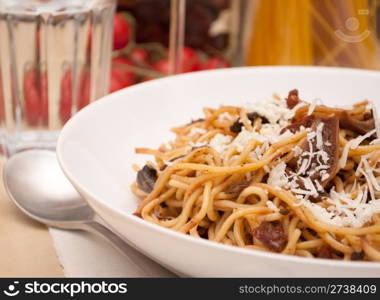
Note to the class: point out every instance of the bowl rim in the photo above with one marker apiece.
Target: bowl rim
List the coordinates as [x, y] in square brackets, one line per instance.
[123, 94]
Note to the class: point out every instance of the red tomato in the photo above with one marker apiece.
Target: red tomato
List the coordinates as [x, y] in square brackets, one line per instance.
[120, 79]
[116, 82]
[44, 98]
[190, 60]
[122, 60]
[215, 62]
[162, 66]
[66, 97]
[139, 55]
[121, 32]
[29, 80]
[84, 89]
[32, 105]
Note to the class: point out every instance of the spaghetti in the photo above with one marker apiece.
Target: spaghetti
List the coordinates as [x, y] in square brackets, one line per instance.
[282, 175]
[314, 32]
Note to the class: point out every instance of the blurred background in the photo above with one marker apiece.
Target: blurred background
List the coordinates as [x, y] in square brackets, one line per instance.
[55, 55]
[157, 38]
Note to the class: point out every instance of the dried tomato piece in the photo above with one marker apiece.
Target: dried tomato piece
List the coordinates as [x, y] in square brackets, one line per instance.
[306, 122]
[292, 99]
[361, 127]
[272, 235]
[324, 252]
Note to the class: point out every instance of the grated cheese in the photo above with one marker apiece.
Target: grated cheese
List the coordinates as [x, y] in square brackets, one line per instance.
[343, 159]
[319, 135]
[344, 211]
[244, 137]
[313, 105]
[259, 151]
[277, 176]
[196, 130]
[367, 172]
[226, 117]
[275, 110]
[375, 141]
[357, 141]
[198, 144]
[272, 206]
[271, 132]
[220, 142]
[352, 144]
[376, 118]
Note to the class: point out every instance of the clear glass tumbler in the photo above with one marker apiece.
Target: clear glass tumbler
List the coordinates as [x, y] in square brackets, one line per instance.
[54, 60]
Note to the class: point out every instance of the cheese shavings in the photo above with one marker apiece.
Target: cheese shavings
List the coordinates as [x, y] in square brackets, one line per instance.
[220, 142]
[272, 206]
[268, 134]
[198, 145]
[226, 117]
[352, 144]
[277, 176]
[275, 110]
[376, 118]
[367, 171]
[197, 130]
[343, 211]
[313, 105]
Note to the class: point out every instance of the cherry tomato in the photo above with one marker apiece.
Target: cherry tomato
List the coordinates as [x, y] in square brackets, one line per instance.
[32, 105]
[162, 66]
[66, 97]
[120, 79]
[44, 98]
[122, 60]
[190, 60]
[215, 62]
[116, 82]
[84, 89]
[139, 55]
[121, 32]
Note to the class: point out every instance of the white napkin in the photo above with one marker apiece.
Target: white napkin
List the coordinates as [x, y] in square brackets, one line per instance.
[83, 254]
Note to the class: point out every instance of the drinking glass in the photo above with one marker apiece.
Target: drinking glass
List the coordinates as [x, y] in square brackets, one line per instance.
[54, 60]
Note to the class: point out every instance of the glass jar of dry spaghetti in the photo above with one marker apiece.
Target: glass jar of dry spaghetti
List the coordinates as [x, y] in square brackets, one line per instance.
[314, 32]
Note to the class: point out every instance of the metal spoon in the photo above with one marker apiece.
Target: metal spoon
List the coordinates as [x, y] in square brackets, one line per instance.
[37, 185]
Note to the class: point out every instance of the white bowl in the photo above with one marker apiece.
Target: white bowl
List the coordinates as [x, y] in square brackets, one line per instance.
[96, 152]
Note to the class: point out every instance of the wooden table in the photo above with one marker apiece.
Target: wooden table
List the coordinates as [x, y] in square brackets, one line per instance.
[27, 248]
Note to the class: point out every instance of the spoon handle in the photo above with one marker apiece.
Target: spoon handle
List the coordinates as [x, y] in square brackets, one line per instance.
[147, 266]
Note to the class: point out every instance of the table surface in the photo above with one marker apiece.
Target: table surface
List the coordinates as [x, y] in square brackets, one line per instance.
[27, 248]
